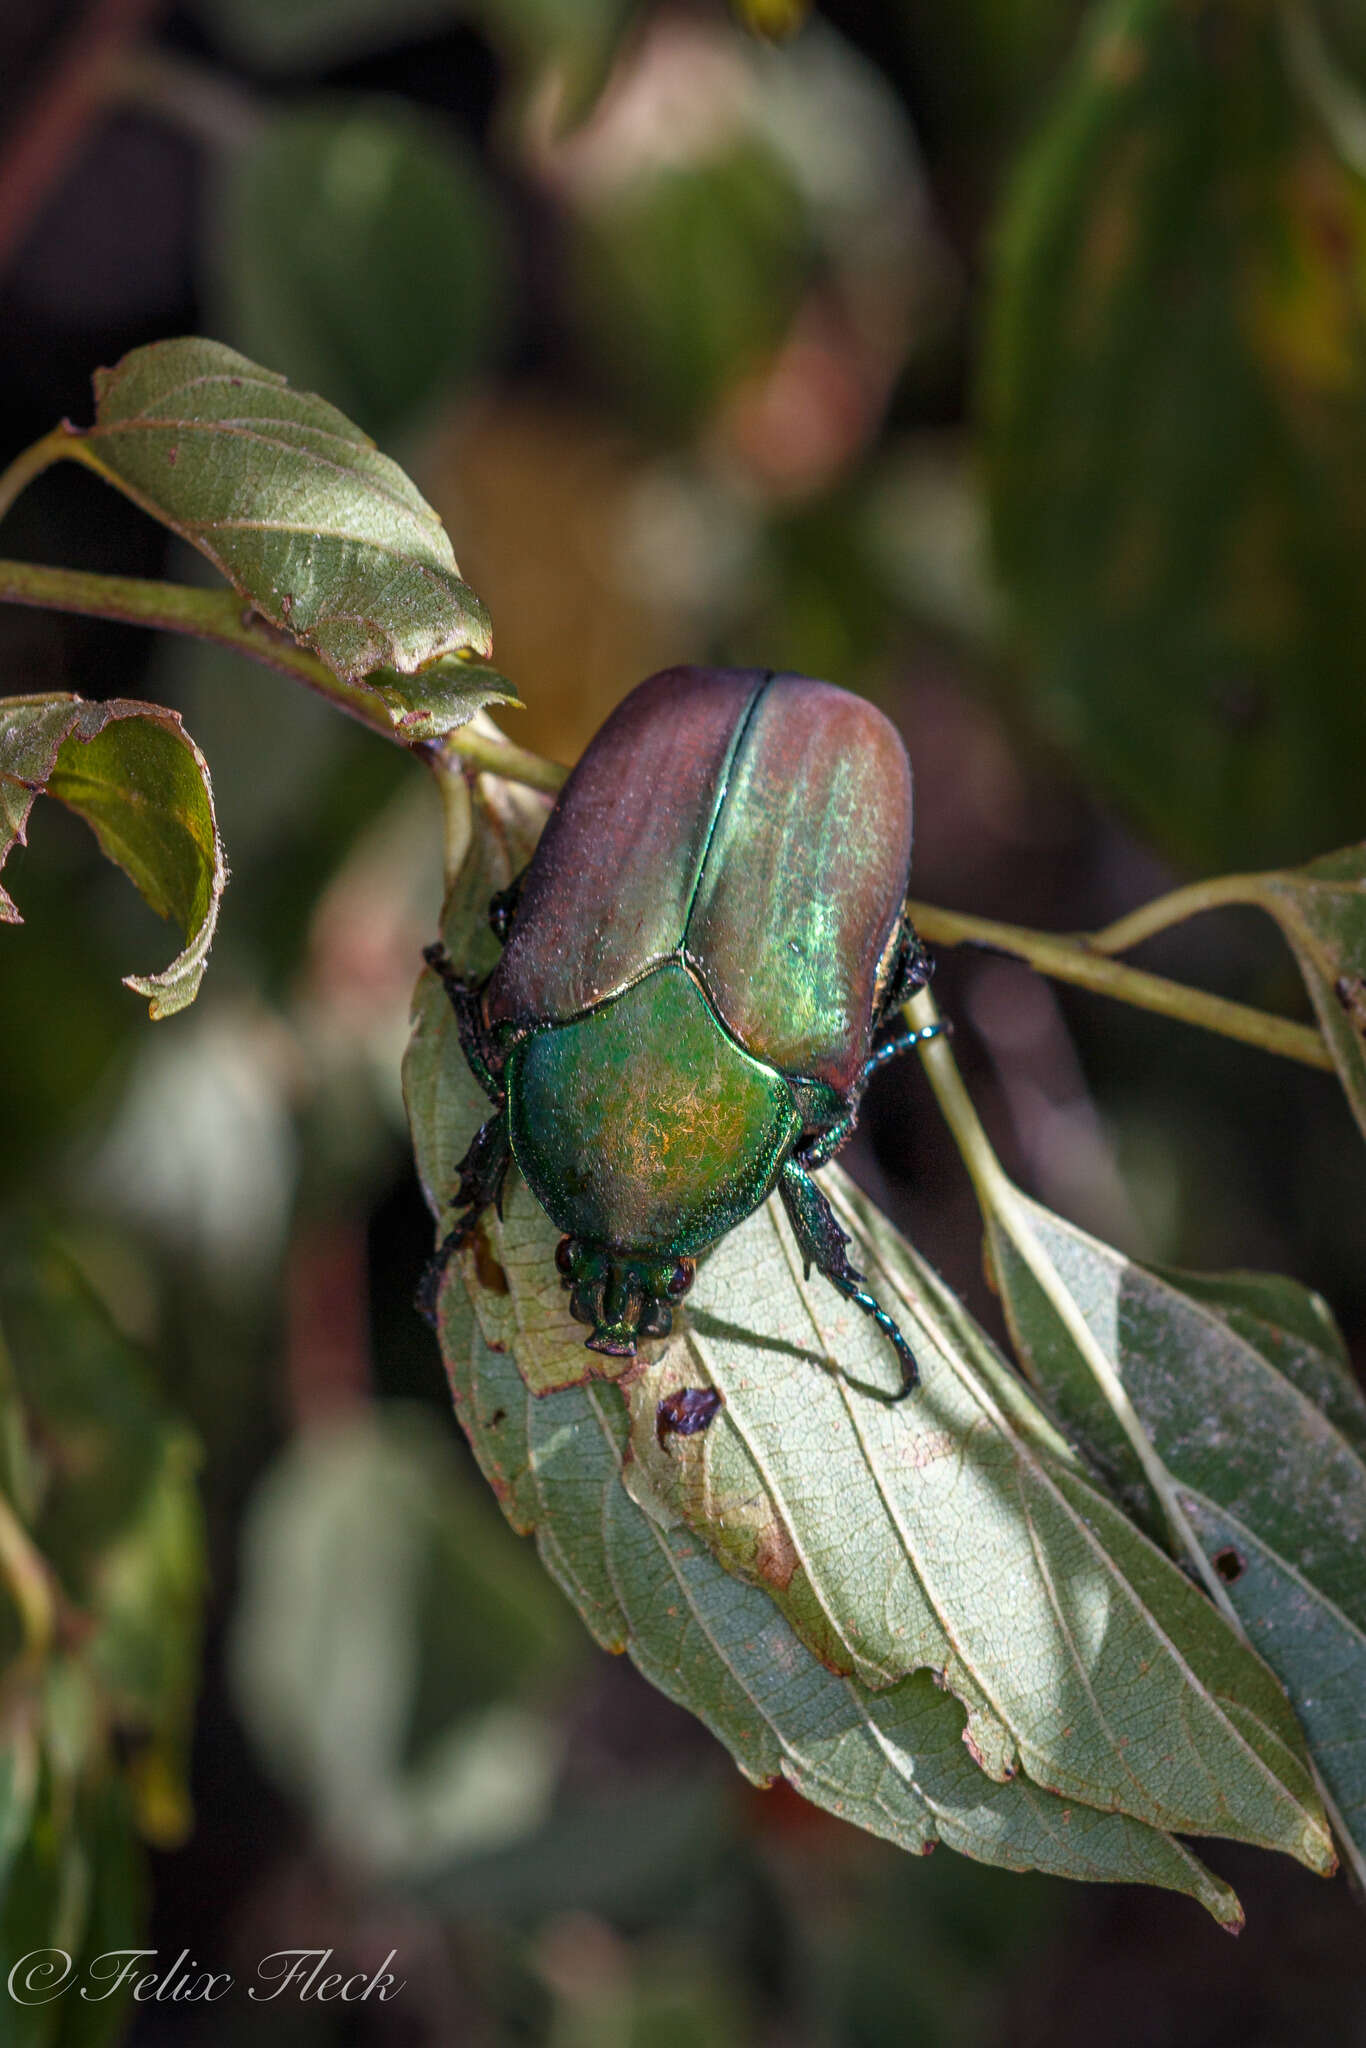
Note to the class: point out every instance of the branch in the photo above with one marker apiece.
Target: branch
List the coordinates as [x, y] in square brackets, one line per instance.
[220, 616]
[49, 135]
[1080, 961]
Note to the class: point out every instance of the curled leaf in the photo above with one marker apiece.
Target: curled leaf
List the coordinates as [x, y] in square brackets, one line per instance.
[325, 537]
[137, 778]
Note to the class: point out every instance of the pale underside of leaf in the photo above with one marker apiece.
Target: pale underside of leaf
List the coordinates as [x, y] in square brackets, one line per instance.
[851, 1547]
[892, 1763]
[927, 1534]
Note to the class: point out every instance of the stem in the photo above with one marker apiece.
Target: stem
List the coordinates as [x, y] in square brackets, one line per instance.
[226, 619]
[30, 1582]
[500, 757]
[217, 615]
[1165, 911]
[1084, 962]
[69, 100]
[204, 103]
[31, 463]
[1003, 1205]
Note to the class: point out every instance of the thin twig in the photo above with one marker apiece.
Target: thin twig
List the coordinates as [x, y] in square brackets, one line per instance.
[31, 462]
[220, 616]
[53, 127]
[1077, 960]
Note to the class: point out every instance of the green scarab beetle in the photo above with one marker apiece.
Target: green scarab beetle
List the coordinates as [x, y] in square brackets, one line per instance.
[696, 966]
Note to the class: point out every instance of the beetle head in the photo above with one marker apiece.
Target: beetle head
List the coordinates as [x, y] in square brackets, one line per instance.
[623, 1295]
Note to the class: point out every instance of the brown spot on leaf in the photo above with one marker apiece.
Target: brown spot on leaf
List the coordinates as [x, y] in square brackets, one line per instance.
[973, 1749]
[488, 1270]
[775, 1556]
[498, 1415]
[1229, 1563]
[1350, 990]
[920, 1451]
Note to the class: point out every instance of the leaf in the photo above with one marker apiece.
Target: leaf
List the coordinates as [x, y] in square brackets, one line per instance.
[1321, 909]
[887, 1533]
[446, 695]
[687, 275]
[137, 778]
[864, 1732]
[116, 1515]
[1247, 1401]
[1175, 396]
[324, 536]
[892, 1762]
[330, 218]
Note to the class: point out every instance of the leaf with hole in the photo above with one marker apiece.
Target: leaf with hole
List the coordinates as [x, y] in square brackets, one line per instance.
[892, 1762]
[951, 1534]
[137, 778]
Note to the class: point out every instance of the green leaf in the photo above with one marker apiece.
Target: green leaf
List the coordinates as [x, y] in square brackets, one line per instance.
[116, 1516]
[324, 536]
[1248, 1403]
[1321, 909]
[687, 275]
[857, 1545]
[1175, 396]
[329, 220]
[137, 778]
[446, 695]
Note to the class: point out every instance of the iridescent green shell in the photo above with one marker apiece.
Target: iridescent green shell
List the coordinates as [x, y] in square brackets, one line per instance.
[755, 829]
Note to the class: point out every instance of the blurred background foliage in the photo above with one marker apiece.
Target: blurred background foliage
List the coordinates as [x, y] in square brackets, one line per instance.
[1006, 361]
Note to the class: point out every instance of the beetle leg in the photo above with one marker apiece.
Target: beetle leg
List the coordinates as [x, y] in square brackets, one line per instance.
[913, 970]
[482, 1173]
[902, 1042]
[821, 1243]
[819, 1150]
[469, 1021]
[503, 907]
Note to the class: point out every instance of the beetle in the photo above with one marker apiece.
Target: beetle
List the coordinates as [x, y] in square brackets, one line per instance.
[708, 941]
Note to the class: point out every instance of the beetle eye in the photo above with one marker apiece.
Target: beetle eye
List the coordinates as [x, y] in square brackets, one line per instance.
[564, 1256]
[681, 1279]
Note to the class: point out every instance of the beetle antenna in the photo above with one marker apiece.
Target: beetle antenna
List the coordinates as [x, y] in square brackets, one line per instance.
[821, 1243]
[903, 1042]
